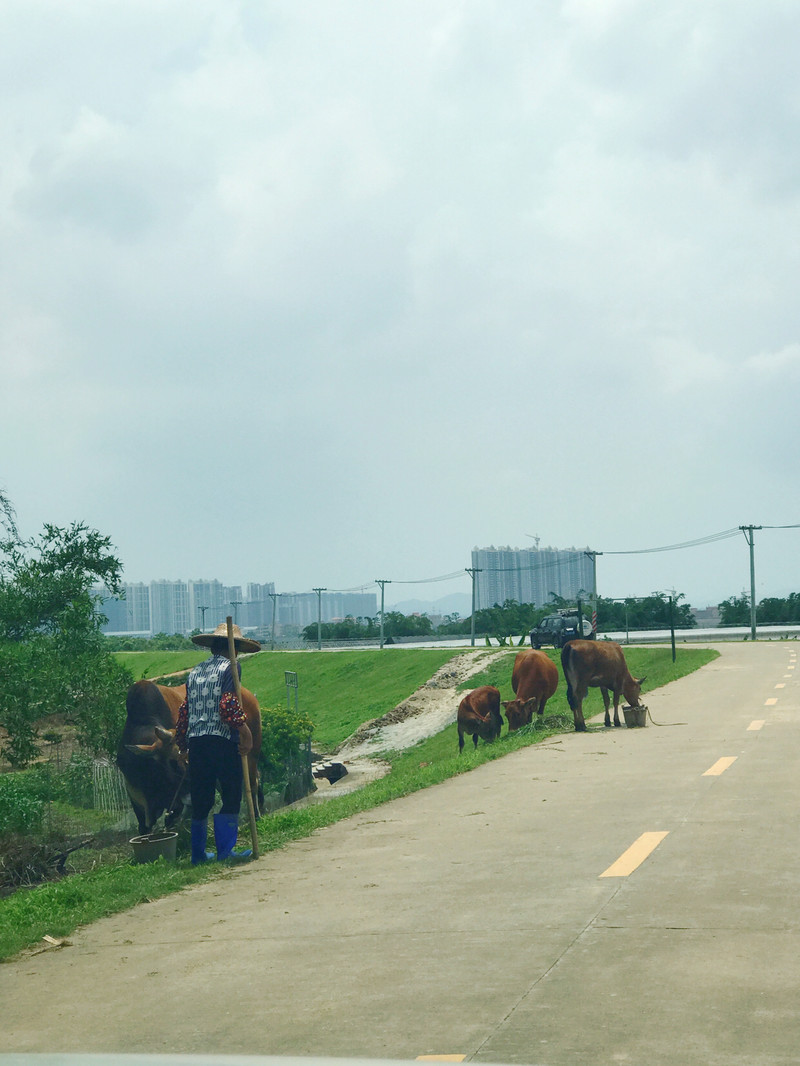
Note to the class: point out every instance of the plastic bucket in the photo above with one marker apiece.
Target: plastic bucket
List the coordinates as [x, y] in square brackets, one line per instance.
[635, 716]
[149, 848]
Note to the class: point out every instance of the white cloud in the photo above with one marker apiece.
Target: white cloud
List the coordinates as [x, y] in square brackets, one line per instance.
[437, 263]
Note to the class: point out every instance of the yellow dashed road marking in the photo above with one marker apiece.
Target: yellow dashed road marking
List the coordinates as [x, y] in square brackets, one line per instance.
[720, 766]
[635, 855]
[780, 685]
[771, 701]
[440, 1058]
[758, 724]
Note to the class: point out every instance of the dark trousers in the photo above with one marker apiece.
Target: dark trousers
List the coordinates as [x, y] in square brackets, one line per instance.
[212, 760]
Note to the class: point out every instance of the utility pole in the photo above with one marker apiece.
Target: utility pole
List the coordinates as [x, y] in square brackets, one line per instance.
[319, 617]
[472, 573]
[593, 556]
[274, 596]
[750, 538]
[202, 611]
[672, 623]
[235, 604]
[382, 582]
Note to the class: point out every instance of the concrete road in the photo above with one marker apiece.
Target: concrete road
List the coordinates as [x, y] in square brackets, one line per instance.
[486, 918]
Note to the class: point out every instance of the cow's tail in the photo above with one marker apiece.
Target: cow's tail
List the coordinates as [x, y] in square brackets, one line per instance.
[566, 655]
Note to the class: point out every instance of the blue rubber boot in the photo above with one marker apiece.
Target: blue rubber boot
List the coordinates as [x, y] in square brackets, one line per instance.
[199, 837]
[226, 831]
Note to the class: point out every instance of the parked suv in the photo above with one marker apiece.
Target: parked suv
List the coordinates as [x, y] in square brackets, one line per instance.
[557, 629]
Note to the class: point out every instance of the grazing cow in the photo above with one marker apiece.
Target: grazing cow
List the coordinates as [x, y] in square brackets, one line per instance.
[479, 715]
[590, 664]
[148, 755]
[534, 680]
[153, 778]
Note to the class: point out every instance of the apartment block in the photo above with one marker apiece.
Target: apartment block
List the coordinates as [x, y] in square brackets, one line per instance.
[530, 575]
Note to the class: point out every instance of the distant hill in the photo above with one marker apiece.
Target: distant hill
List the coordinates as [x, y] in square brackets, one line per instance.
[456, 601]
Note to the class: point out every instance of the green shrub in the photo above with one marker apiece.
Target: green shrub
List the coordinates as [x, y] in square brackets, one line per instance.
[22, 803]
[75, 783]
[284, 733]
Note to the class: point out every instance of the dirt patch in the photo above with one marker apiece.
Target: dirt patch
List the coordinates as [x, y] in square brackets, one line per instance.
[426, 712]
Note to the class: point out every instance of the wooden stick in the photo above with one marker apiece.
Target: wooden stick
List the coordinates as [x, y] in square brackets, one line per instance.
[245, 768]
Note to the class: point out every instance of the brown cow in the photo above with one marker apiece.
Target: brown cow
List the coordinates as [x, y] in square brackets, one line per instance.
[479, 715]
[534, 680]
[163, 751]
[597, 664]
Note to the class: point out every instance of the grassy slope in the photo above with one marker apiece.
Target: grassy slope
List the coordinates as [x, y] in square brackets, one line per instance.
[58, 908]
[341, 690]
[158, 663]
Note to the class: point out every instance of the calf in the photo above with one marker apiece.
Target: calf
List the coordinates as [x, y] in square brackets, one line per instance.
[534, 680]
[479, 715]
[591, 664]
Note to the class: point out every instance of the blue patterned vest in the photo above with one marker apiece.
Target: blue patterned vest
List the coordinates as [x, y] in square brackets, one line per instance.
[204, 689]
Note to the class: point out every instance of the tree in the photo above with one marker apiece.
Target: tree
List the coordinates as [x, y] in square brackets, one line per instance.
[53, 658]
[735, 611]
[644, 612]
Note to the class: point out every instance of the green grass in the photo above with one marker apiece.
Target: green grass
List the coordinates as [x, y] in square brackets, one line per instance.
[158, 663]
[59, 908]
[341, 690]
[338, 690]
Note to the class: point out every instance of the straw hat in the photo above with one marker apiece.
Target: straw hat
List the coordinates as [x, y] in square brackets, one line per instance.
[241, 643]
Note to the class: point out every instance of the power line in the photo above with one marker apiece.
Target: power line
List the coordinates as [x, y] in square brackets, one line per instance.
[713, 538]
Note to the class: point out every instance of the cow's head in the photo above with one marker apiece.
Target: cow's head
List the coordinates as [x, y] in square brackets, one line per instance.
[632, 690]
[163, 748]
[518, 713]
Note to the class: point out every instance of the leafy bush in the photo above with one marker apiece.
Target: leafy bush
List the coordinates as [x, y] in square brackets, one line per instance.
[22, 803]
[284, 733]
[75, 783]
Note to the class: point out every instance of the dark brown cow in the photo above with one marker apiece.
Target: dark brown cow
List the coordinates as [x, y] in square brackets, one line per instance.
[479, 715]
[148, 754]
[534, 680]
[597, 664]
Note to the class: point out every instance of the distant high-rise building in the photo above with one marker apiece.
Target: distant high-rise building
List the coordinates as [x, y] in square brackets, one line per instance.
[169, 607]
[258, 604]
[137, 602]
[185, 606]
[206, 605]
[129, 613]
[530, 575]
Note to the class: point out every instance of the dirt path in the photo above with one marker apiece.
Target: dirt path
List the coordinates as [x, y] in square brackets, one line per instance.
[426, 712]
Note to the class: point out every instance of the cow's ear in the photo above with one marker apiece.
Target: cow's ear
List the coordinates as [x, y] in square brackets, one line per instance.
[505, 704]
[530, 702]
[640, 680]
[143, 749]
[166, 735]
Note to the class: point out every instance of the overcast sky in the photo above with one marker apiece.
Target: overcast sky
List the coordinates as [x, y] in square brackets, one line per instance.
[327, 291]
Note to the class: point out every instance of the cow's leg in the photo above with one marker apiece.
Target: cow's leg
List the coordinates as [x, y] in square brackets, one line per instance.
[255, 786]
[460, 740]
[579, 695]
[140, 817]
[139, 804]
[540, 708]
[616, 708]
[607, 704]
[475, 741]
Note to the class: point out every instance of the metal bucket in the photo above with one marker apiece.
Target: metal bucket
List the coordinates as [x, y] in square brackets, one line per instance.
[635, 716]
[151, 847]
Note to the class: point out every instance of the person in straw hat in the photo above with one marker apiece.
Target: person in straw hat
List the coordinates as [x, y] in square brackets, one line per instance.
[213, 731]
